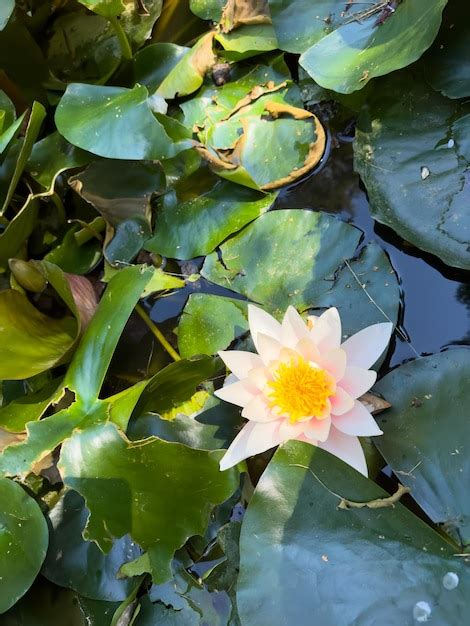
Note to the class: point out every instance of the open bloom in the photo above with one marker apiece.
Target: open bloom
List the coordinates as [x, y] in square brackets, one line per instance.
[303, 384]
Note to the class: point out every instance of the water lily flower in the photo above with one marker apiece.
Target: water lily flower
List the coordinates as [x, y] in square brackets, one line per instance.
[303, 384]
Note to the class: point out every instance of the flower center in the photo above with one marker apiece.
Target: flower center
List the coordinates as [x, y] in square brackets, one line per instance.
[300, 390]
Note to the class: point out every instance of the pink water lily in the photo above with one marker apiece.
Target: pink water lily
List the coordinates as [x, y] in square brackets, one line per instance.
[303, 384]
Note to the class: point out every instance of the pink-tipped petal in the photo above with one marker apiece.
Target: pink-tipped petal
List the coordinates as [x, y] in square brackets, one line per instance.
[239, 362]
[334, 362]
[356, 380]
[290, 431]
[261, 322]
[365, 347]
[346, 448]
[317, 430]
[269, 348]
[240, 393]
[308, 350]
[326, 331]
[358, 421]
[293, 328]
[258, 410]
[254, 438]
[341, 402]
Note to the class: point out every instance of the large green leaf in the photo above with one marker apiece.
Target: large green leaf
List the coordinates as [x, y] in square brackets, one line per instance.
[106, 8]
[425, 433]
[413, 168]
[448, 62]
[364, 289]
[23, 542]
[153, 63]
[160, 493]
[80, 565]
[210, 323]
[199, 219]
[362, 48]
[115, 123]
[304, 561]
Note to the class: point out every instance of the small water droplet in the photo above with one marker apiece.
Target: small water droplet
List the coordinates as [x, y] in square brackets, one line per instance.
[421, 611]
[450, 580]
[424, 172]
[450, 143]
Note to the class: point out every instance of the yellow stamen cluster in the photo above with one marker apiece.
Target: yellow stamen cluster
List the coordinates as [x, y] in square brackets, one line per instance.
[300, 390]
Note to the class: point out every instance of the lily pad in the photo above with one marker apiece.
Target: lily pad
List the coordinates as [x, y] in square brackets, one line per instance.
[309, 558]
[425, 433]
[210, 323]
[115, 123]
[415, 172]
[77, 564]
[142, 488]
[5, 11]
[256, 268]
[23, 542]
[372, 43]
[197, 220]
[153, 63]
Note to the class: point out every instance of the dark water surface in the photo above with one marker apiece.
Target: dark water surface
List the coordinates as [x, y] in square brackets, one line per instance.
[435, 310]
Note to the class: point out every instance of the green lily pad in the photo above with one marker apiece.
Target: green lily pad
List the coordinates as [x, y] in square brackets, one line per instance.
[153, 63]
[425, 433]
[160, 493]
[23, 542]
[188, 74]
[247, 41]
[106, 8]
[5, 11]
[77, 564]
[301, 556]
[115, 123]
[197, 220]
[360, 49]
[9, 125]
[210, 323]
[53, 155]
[256, 268]
[207, 9]
[414, 170]
[448, 62]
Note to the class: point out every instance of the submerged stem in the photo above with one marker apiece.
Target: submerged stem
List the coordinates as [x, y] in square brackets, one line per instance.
[122, 38]
[157, 334]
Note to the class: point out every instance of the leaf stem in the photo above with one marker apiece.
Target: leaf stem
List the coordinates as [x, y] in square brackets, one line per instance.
[157, 334]
[122, 38]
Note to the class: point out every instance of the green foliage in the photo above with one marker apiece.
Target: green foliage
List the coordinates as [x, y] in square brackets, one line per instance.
[152, 158]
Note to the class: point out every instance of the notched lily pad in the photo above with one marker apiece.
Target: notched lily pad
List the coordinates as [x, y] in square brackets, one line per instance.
[265, 141]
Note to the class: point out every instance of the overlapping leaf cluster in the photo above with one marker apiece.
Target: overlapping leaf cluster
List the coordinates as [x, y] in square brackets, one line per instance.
[143, 144]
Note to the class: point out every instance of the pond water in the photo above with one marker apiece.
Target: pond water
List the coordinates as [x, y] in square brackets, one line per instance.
[435, 310]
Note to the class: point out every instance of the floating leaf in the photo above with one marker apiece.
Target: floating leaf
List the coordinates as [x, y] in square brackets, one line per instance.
[80, 565]
[247, 41]
[424, 435]
[198, 220]
[5, 11]
[372, 43]
[115, 123]
[448, 62]
[188, 74]
[153, 63]
[142, 488]
[23, 542]
[414, 171]
[207, 9]
[210, 323]
[384, 561]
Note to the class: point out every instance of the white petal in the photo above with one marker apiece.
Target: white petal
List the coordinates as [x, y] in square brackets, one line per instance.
[334, 362]
[318, 430]
[259, 377]
[358, 421]
[239, 393]
[239, 362]
[365, 347]
[290, 431]
[326, 331]
[293, 328]
[356, 380]
[261, 322]
[254, 438]
[341, 402]
[308, 350]
[346, 448]
[258, 410]
[269, 348]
